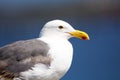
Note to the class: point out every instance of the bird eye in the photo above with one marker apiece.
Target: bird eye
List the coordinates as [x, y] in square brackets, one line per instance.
[60, 27]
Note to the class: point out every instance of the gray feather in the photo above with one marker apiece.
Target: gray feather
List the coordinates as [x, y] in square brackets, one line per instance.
[22, 55]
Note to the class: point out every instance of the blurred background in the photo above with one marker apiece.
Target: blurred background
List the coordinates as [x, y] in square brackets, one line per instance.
[96, 59]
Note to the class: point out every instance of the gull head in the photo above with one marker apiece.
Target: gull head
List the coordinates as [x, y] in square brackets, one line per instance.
[62, 29]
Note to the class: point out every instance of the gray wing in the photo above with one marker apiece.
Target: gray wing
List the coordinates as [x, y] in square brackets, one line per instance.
[21, 56]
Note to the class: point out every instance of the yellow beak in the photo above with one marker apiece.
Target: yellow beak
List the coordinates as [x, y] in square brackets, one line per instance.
[80, 34]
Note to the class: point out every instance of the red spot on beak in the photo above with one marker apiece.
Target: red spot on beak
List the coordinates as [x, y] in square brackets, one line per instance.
[84, 38]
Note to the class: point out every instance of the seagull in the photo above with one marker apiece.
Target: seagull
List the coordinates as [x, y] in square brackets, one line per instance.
[48, 57]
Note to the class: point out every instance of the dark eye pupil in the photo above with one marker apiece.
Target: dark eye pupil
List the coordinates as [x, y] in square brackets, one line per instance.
[60, 27]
